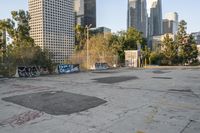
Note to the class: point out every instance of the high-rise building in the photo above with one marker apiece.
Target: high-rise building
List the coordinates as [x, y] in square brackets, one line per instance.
[169, 26]
[100, 30]
[156, 43]
[85, 12]
[155, 20]
[172, 16]
[137, 15]
[196, 36]
[52, 27]
[170, 23]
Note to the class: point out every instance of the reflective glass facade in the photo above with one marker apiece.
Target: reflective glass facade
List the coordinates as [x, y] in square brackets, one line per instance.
[85, 11]
[137, 15]
[155, 20]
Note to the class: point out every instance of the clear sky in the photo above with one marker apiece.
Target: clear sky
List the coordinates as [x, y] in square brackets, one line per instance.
[113, 13]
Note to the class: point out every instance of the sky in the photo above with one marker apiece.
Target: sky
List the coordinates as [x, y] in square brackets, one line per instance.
[113, 13]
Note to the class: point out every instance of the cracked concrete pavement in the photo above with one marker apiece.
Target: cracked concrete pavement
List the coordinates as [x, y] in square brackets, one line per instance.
[157, 101]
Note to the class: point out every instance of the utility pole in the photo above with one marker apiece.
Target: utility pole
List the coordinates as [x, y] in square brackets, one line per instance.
[88, 28]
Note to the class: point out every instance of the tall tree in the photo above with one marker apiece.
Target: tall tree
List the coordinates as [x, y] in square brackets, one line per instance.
[80, 37]
[22, 51]
[169, 50]
[100, 50]
[22, 31]
[187, 50]
[5, 26]
[130, 40]
[145, 53]
[133, 39]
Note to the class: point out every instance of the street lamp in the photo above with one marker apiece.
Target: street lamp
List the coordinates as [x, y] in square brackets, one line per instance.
[88, 28]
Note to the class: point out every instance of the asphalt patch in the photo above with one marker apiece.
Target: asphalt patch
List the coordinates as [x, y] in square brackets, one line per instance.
[176, 90]
[103, 72]
[111, 80]
[160, 72]
[161, 77]
[191, 77]
[56, 102]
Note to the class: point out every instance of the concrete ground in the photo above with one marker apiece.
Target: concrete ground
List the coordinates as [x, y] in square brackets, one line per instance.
[155, 100]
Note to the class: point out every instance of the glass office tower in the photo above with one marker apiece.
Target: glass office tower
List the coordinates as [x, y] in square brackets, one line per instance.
[85, 12]
[137, 15]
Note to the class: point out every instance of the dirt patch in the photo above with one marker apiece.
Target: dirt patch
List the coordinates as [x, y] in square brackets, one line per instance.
[21, 119]
[111, 80]
[56, 102]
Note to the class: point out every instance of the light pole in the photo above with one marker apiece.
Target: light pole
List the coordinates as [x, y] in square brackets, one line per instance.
[88, 28]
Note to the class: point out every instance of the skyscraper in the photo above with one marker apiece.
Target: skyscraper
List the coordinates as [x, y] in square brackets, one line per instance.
[169, 26]
[52, 23]
[196, 36]
[85, 12]
[170, 23]
[137, 15]
[155, 20]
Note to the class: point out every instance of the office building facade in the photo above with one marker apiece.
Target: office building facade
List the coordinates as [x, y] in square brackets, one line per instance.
[196, 36]
[155, 20]
[170, 23]
[52, 27]
[100, 30]
[169, 26]
[85, 12]
[137, 15]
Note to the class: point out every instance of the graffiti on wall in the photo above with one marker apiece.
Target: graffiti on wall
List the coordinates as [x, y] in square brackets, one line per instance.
[101, 66]
[27, 72]
[68, 68]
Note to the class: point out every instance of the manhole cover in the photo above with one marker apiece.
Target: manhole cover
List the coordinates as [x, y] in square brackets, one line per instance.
[56, 103]
[111, 80]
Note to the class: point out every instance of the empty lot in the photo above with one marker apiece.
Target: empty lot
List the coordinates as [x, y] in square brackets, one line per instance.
[113, 101]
